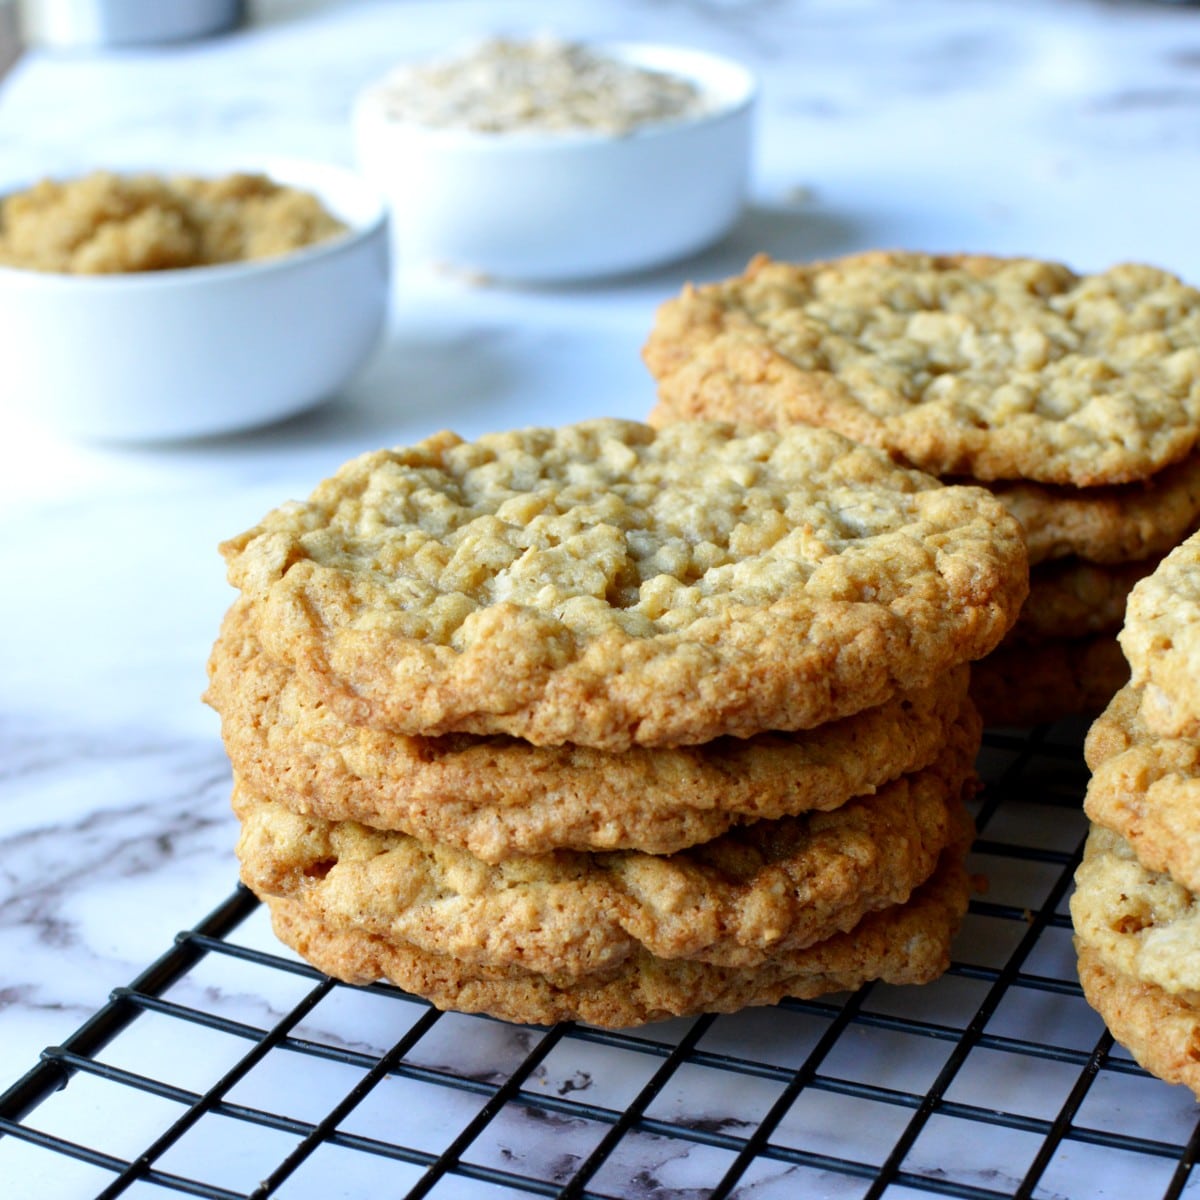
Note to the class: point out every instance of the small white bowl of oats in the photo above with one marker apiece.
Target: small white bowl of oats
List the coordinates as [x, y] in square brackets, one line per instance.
[147, 304]
[547, 160]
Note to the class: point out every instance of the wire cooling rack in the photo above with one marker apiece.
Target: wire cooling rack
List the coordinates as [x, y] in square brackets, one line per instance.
[231, 1070]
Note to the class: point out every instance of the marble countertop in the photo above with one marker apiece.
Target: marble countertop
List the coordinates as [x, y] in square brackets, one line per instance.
[1067, 130]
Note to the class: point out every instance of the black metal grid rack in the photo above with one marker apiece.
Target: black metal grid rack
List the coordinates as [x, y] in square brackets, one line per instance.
[230, 1070]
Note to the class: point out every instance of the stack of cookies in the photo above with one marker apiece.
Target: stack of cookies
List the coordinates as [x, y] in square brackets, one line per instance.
[1075, 399]
[614, 724]
[1135, 910]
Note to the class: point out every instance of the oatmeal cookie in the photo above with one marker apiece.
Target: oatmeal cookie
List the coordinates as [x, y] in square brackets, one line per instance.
[610, 586]
[1140, 923]
[1072, 598]
[1161, 1031]
[1127, 522]
[1161, 640]
[498, 797]
[1146, 789]
[996, 368]
[906, 944]
[746, 897]
[1035, 682]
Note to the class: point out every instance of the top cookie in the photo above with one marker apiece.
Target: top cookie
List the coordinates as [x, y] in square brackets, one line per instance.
[607, 585]
[1161, 640]
[964, 365]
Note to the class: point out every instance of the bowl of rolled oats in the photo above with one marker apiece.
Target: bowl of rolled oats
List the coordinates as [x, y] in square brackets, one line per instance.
[546, 160]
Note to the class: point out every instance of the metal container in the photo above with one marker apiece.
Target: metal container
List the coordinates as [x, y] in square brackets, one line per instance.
[102, 23]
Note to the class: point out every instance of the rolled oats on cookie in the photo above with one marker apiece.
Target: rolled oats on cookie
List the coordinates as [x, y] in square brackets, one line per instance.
[609, 585]
[614, 724]
[1139, 956]
[1134, 908]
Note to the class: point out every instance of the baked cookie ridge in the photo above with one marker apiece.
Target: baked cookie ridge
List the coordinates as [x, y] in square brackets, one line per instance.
[906, 944]
[609, 585]
[499, 797]
[739, 901]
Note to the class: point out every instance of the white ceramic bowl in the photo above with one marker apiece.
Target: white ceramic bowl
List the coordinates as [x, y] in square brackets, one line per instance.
[544, 207]
[160, 355]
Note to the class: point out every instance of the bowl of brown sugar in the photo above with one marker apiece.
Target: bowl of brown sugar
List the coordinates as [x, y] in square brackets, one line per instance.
[156, 304]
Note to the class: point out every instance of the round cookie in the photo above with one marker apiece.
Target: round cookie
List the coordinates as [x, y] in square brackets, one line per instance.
[1161, 1031]
[1071, 598]
[906, 944]
[607, 585]
[1122, 523]
[1161, 640]
[1146, 788]
[1031, 683]
[499, 797]
[1140, 923]
[996, 368]
[739, 901]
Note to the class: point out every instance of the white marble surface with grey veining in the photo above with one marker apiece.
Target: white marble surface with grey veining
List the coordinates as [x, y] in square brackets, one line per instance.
[1067, 129]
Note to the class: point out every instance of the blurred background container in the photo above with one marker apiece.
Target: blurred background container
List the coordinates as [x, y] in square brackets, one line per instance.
[9, 42]
[99, 23]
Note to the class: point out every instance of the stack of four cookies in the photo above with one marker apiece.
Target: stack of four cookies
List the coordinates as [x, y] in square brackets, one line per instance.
[610, 724]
